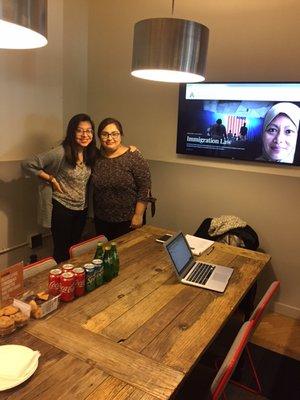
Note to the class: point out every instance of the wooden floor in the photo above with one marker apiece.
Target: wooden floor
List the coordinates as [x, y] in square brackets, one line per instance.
[279, 333]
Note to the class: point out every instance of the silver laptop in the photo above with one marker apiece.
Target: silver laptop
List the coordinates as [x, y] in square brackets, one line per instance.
[195, 273]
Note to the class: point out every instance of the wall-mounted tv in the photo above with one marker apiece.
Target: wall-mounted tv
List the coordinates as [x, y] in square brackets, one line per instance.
[243, 121]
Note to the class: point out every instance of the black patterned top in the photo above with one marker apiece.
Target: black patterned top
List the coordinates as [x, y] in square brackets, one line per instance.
[119, 183]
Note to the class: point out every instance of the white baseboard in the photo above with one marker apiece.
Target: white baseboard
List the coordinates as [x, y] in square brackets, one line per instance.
[286, 310]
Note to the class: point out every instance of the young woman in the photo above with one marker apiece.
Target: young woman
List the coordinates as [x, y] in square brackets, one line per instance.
[121, 182]
[63, 174]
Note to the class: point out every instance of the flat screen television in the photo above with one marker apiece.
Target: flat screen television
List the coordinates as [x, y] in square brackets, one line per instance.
[243, 121]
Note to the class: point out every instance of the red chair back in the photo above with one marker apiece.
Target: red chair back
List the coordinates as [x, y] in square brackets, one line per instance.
[260, 308]
[231, 360]
[81, 248]
[42, 265]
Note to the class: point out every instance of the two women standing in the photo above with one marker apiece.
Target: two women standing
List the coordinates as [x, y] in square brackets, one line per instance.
[64, 175]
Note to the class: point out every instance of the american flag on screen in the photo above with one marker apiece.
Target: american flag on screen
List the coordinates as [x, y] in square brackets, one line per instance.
[234, 124]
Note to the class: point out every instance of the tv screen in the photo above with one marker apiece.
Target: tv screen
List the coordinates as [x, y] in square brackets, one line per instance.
[243, 121]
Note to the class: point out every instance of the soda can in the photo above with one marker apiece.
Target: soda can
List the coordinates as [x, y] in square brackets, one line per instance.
[67, 267]
[54, 281]
[98, 265]
[90, 281]
[67, 286]
[79, 281]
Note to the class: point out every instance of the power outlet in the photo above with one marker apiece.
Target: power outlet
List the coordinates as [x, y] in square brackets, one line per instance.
[35, 240]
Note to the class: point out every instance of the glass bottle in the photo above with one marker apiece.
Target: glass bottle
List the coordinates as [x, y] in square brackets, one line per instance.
[108, 265]
[99, 252]
[115, 258]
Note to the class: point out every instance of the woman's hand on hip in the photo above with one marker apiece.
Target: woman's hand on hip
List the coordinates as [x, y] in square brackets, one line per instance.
[137, 221]
[56, 186]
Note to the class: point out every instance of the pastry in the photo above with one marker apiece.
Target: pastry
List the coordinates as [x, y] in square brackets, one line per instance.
[37, 313]
[43, 296]
[10, 310]
[20, 319]
[7, 325]
[33, 305]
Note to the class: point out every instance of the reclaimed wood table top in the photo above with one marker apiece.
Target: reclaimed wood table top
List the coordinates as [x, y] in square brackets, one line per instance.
[137, 336]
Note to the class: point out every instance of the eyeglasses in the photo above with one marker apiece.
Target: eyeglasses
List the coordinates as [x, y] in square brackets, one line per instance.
[81, 131]
[105, 135]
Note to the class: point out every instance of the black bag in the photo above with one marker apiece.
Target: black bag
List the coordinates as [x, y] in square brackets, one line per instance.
[152, 200]
[247, 234]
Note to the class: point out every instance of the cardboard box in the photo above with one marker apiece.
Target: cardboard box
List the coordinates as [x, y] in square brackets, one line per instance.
[11, 283]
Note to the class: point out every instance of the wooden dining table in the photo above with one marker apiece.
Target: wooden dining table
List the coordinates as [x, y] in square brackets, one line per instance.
[136, 337]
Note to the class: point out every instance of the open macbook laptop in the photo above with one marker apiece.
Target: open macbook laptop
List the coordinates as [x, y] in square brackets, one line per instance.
[195, 273]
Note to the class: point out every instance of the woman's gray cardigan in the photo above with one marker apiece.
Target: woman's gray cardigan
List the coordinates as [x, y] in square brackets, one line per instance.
[50, 162]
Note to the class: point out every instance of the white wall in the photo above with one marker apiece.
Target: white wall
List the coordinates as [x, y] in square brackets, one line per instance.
[249, 41]
[31, 93]
[75, 60]
[40, 89]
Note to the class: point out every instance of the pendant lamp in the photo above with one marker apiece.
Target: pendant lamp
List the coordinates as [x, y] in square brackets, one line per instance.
[169, 50]
[23, 24]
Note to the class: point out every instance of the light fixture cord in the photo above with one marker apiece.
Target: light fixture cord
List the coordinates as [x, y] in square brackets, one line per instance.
[173, 4]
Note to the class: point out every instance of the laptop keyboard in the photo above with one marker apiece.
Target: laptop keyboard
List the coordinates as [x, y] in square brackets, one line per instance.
[201, 273]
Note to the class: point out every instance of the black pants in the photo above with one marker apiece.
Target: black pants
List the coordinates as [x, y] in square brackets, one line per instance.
[66, 227]
[112, 230]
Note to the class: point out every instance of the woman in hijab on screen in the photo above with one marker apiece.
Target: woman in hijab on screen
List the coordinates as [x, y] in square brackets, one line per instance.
[280, 133]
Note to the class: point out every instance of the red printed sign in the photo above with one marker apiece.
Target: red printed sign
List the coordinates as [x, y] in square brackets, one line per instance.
[11, 283]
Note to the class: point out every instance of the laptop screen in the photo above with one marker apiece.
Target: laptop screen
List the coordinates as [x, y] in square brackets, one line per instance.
[179, 252]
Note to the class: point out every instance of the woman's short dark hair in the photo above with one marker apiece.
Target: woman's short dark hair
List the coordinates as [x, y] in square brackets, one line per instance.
[108, 121]
[70, 145]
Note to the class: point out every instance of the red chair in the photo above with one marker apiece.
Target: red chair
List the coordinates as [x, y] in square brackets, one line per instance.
[207, 383]
[42, 265]
[261, 306]
[83, 247]
[230, 362]
[255, 318]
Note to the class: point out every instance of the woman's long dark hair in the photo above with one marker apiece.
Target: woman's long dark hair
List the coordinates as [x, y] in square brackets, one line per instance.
[70, 145]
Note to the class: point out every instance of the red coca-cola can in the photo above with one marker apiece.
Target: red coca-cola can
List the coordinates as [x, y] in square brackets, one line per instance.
[67, 267]
[54, 281]
[79, 281]
[67, 286]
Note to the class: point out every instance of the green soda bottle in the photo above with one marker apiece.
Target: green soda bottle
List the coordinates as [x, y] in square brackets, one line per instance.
[108, 265]
[115, 258]
[99, 252]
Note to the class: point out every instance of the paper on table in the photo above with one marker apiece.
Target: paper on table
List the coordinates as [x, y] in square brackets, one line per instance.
[198, 245]
[16, 361]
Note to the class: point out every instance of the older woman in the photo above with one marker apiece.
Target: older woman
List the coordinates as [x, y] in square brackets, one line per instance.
[121, 181]
[280, 132]
[63, 174]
